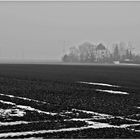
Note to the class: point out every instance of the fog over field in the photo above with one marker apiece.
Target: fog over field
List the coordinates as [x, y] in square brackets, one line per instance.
[45, 30]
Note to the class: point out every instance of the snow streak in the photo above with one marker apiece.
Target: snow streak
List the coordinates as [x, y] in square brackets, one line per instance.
[98, 84]
[113, 91]
[29, 108]
[23, 98]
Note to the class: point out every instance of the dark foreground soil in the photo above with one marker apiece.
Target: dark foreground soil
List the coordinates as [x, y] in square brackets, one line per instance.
[57, 86]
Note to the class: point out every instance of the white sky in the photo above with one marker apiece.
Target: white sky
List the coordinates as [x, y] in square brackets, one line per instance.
[39, 29]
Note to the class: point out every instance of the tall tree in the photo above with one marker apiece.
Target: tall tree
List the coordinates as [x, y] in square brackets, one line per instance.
[74, 54]
[87, 52]
[116, 53]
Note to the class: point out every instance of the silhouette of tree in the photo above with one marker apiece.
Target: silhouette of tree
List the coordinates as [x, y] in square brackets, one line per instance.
[116, 53]
[65, 58]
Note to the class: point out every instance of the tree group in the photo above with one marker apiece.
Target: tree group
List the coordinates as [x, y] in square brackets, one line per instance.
[88, 52]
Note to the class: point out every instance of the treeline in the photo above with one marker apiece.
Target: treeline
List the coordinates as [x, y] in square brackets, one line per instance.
[88, 52]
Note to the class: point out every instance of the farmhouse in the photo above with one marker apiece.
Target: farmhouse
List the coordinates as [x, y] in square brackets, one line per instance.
[101, 53]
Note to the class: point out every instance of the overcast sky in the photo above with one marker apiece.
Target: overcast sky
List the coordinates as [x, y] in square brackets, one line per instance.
[39, 29]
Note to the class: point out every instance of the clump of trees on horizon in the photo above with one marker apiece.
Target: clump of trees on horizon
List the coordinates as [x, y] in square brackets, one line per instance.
[90, 53]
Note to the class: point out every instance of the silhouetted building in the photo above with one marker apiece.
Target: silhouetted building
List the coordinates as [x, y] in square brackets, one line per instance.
[101, 53]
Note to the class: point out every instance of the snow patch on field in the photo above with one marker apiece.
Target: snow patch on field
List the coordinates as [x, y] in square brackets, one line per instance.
[94, 125]
[12, 112]
[6, 102]
[98, 84]
[20, 122]
[13, 123]
[33, 109]
[113, 91]
[98, 116]
[138, 107]
[128, 125]
[90, 123]
[27, 108]
[136, 130]
[93, 113]
[13, 134]
[22, 98]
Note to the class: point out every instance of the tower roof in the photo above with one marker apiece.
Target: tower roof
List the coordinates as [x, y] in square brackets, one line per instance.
[100, 47]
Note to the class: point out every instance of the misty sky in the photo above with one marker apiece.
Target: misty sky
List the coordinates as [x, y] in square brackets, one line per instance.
[39, 29]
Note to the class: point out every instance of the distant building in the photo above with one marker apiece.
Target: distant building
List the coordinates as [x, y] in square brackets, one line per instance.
[116, 62]
[101, 53]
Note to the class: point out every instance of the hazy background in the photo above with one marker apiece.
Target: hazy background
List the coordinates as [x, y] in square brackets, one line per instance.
[41, 30]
